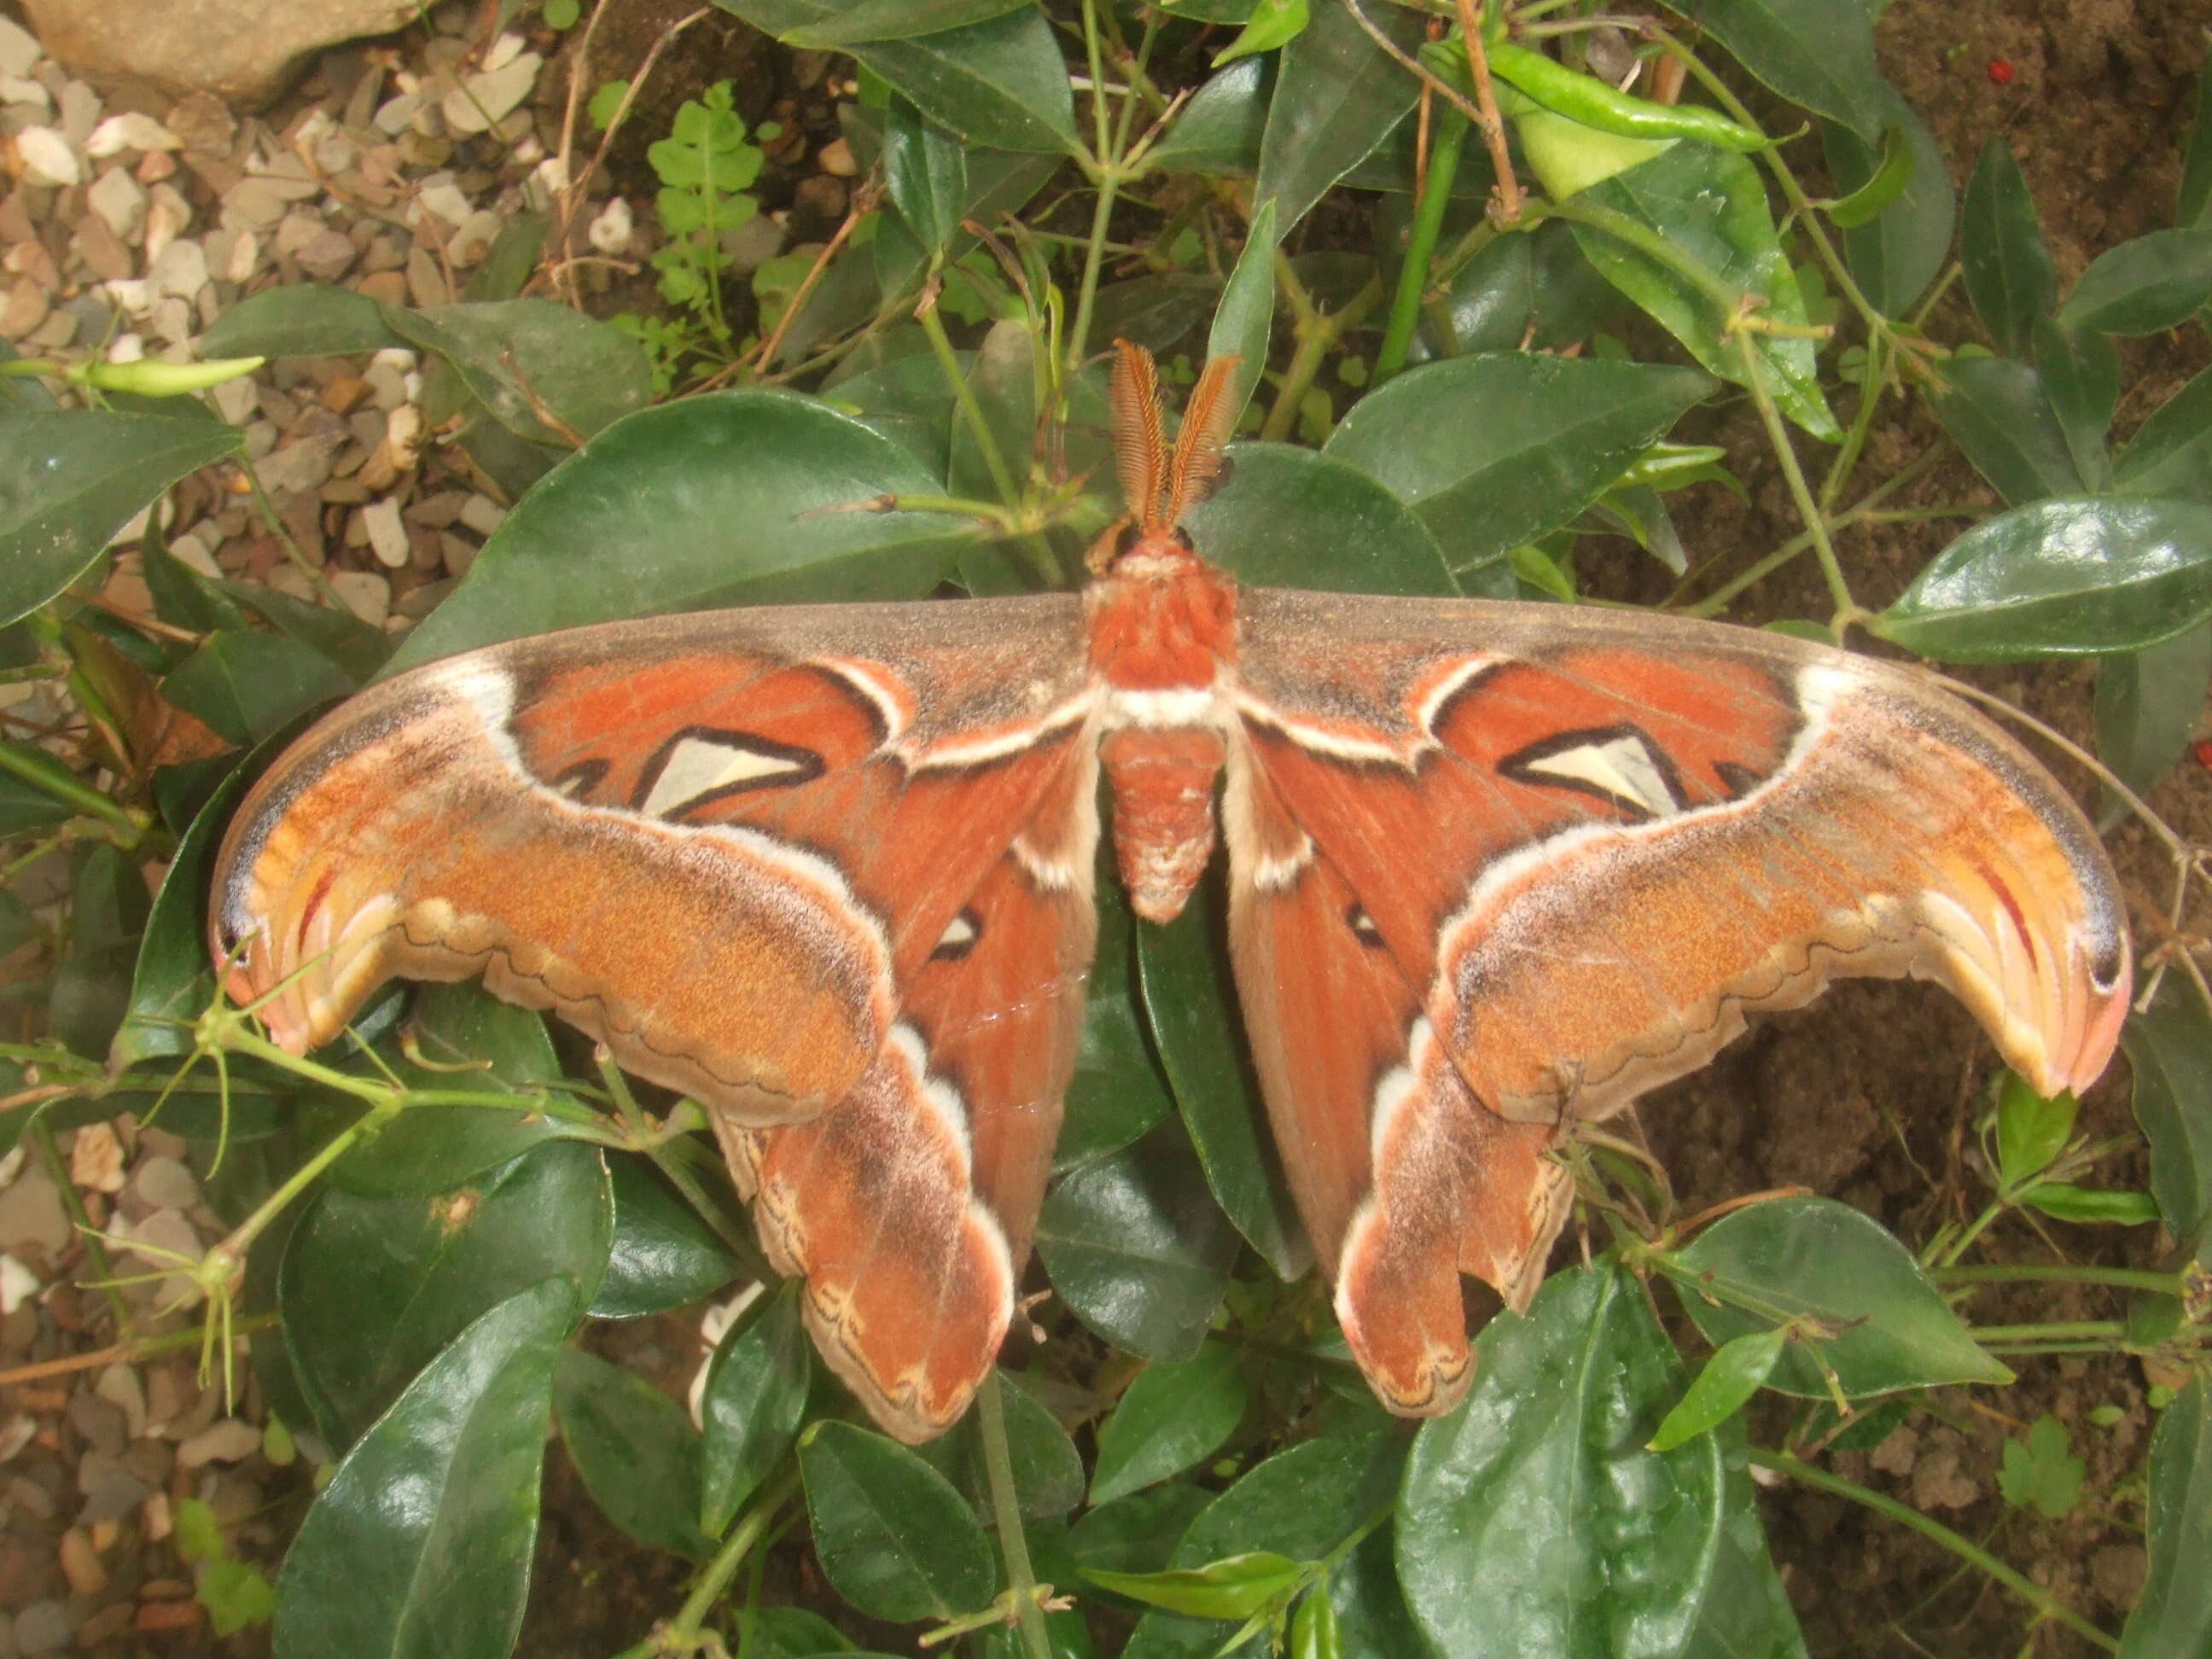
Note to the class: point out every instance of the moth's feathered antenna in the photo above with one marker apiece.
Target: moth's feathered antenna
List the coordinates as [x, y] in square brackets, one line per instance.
[1206, 427]
[1140, 445]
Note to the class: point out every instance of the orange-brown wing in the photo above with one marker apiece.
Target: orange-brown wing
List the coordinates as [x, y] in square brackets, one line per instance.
[1590, 844]
[825, 868]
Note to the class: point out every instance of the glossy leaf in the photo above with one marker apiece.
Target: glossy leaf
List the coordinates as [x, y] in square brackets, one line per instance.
[1336, 98]
[2141, 287]
[894, 1538]
[1536, 287]
[1137, 1248]
[755, 1400]
[1997, 412]
[1222, 127]
[345, 638]
[2063, 1200]
[1246, 316]
[1314, 1630]
[664, 1255]
[1118, 1092]
[25, 809]
[2080, 374]
[1169, 1419]
[1534, 1519]
[304, 320]
[899, 20]
[2169, 1049]
[1811, 52]
[1736, 1371]
[2191, 200]
[1047, 1467]
[108, 911]
[249, 685]
[70, 478]
[2002, 259]
[2174, 1614]
[926, 173]
[1816, 1258]
[1710, 205]
[1289, 518]
[749, 494]
[635, 1450]
[1140, 1532]
[420, 1546]
[1894, 256]
[2171, 453]
[2031, 1131]
[1190, 1001]
[2148, 703]
[1496, 450]
[372, 1289]
[498, 1048]
[2061, 578]
[1234, 1587]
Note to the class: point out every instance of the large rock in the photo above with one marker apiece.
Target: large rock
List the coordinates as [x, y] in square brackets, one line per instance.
[245, 51]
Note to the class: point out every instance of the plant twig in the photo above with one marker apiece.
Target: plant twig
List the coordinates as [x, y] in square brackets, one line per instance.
[1006, 1511]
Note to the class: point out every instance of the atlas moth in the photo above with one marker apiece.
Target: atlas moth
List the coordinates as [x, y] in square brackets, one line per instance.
[1495, 869]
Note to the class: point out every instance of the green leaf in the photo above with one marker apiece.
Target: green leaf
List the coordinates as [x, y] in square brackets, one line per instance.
[1534, 1520]
[2040, 1473]
[2169, 1049]
[436, 1149]
[248, 686]
[1813, 1257]
[1236, 1587]
[1536, 286]
[420, 1546]
[1245, 318]
[1190, 1001]
[2065, 1201]
[894, 1538]
[2006, 269]
[2148, 703]
[345, 638]
[108, 911]
[2030, 1130]
[1274, 23]
[2171, 453]
[665, 1255]
[2061, 578]
[1737, 1371]
[749, 494]
[70, 478]
[1289, 518]
[1817, 54]
[755, 1400]
[1496, 450]
[2144, 286]
[1137, 1533]
[1137, 1248]
[1997, 412]
[1337, 97]
[1222, 127]
[1047, 1469]
[303, 319]
[1896, 257]
[2080, 375]
[1118, 1092]
[2174, 1612]
[635, 1450]
[1169, 1419]
[2191, 201]
[372, 1289]
[25, 809]
[999, 84]
[899, 20]
[1883, 176]
[1710, 206]
[926, 173]
[1314, 1632]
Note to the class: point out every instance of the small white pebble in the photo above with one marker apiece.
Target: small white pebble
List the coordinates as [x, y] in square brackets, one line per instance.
[481, 514]
[612, 229]
[387, 537]
[47, 158]
[364, 593]
[129, 131]
[402, 438]
[18, 1284]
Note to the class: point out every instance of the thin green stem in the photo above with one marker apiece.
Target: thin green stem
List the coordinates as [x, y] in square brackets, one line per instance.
[1974, 1230]
[971, 412]
[1847, 608]
[681, 1635]
[2124, 1279]
[1420, 249]
[2079, 1330]
[50, 777]
[50, 1152]
[2046, 1605]
[1006, 1511]
[1317, 331]
[293, 550]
